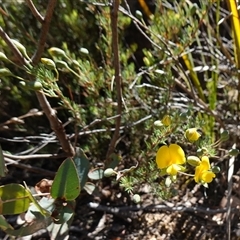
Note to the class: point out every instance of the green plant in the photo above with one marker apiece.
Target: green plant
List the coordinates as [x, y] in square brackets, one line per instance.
[96, 97]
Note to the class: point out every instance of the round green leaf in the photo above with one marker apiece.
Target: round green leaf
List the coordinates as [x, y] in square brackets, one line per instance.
[96, 174]
[90, 188]
[14, 199]
[82, 164]
[66, 183]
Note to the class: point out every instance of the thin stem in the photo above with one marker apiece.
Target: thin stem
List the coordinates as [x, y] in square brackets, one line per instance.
[34, 11]
[44, 31]
[55, 123]
[186, 174]
[117, 76]
[13, 48]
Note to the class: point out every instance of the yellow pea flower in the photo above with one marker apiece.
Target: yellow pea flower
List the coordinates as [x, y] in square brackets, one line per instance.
[192, 134]
[166, 121]
[203, 173]
[170, 158]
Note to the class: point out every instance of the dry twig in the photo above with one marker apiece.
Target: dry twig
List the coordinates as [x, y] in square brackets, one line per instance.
[117, 76]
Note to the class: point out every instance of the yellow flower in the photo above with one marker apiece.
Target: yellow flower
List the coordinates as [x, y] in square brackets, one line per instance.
[170, 158]
[203, 173]
[166, 121]
[192, 134]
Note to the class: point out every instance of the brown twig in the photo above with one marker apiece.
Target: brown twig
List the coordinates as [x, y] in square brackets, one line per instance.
[117, 76]
[44, 31]
[29, 167]
[55, 123]
[132, 211]
[34, 11]
[33, 156]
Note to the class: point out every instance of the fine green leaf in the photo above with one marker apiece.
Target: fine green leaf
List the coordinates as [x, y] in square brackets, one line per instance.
[14, 199]
[66, 183]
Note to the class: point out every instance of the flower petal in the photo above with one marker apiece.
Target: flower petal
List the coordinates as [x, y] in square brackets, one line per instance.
[173, 169]
[163, 157]
[177, 154]
[202, 173]
[208, 176]
[205, 163]
[192, 134]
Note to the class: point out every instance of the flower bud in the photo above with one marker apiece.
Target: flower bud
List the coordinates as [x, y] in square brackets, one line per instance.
[192, 134]
[183, 116]
[5, 72]
[193, 9]
[139, 14]
[23, 84]
[146, 61]
[168, 181]
[20, 47]
[233, 152]
[36, 85]
[136, 198]
[158, 124]
[56, 52]
[75, 63]
[193, 161]
[84, 51]
[216, 169]
[49, 63]
[109, 172]
[166, 121]
[224, 135]
[202, 151]
[3, 57]
[61, 64]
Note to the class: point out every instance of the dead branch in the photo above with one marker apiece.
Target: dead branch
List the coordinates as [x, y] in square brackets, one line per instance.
[117, 76]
